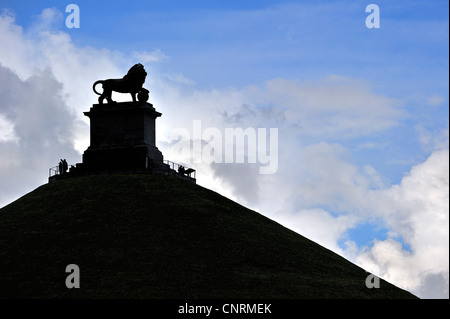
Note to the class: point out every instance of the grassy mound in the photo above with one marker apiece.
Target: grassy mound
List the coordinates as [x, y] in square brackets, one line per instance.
[147, 236]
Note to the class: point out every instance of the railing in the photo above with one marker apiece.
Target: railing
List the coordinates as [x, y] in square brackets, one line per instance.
[59, 170]
[181, 169]
[52, 171]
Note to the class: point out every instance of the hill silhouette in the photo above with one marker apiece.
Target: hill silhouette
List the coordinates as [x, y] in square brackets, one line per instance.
[150, 236]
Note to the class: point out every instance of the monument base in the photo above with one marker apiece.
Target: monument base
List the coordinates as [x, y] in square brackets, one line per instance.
[121, 158]
[122, 137]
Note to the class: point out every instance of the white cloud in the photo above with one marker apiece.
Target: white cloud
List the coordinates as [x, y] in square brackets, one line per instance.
[418, 210]
[297, 112]
[49, 19]
[7, 133]
[415, 212]
[179, 78]
[328, 107]
[432, 139]
[43, 48]
[16, 54]
[149, 57]
[327, 175]
[318, 225]
[42, 131]
[435, 100]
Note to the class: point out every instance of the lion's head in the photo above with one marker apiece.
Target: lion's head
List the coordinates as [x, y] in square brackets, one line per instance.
[136, 75]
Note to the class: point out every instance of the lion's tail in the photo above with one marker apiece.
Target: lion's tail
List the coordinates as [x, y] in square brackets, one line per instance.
[93, 87]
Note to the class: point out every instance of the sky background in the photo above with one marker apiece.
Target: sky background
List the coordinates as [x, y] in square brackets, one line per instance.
[362, 114]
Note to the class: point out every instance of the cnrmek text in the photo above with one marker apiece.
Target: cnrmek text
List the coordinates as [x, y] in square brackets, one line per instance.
[246, 308]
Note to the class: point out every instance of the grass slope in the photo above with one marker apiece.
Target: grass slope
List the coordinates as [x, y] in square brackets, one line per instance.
[146, 236]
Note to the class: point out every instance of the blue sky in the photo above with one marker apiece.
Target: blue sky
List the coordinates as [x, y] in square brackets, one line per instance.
[362, 114]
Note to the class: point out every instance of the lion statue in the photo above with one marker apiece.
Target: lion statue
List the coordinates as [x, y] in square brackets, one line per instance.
[131, 83]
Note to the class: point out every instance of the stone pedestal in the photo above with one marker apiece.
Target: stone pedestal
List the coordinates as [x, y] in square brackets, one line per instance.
[122, 137]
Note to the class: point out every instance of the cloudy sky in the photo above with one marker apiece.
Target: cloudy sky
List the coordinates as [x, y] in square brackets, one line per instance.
[361, 114]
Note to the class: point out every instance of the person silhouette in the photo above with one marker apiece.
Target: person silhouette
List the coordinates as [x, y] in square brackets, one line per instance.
[65, 166]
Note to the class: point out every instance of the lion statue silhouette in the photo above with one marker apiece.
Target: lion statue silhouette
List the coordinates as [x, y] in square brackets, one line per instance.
[131, 83]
